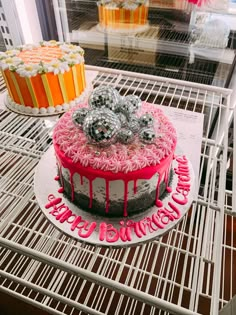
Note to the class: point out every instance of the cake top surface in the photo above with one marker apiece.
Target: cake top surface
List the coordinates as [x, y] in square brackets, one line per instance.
[47, 56]
[40, 54]
[117, 157]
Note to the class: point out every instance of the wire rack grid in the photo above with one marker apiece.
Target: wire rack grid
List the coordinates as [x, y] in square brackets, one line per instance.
[180, 273]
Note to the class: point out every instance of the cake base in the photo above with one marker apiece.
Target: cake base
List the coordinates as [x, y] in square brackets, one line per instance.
[116, 232]
[125, 30]
[42, 112]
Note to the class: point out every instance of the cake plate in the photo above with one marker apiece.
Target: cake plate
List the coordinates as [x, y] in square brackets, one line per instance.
[115, 232]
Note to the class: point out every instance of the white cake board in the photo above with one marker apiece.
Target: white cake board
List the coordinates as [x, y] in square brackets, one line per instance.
[46, 189]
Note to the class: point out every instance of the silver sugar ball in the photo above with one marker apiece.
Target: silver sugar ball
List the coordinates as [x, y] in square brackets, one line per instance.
[78, 116]
[125, 136]
[123, 119]
[101, 127]
[133, 124]
[135, 101]
[124, 107]
[104, 97]
[146, 120]
[147, 135]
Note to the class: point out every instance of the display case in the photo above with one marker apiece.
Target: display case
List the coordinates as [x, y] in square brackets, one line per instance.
[190, 269]
[166, 48]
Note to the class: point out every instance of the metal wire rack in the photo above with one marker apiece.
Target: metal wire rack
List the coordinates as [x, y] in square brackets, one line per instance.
[181, 273]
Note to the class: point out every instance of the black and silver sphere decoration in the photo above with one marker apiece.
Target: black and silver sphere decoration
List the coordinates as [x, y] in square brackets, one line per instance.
[101, 127]
[146, 120]
[78, 116]
[147, 135]
[135, 101]
[124, 107]
[123, 119]
[134, 124]
[125, 136]
[111, 118]
[104, 97]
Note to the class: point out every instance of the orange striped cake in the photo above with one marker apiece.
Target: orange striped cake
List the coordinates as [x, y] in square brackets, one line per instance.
[120, 15]
[44, 78]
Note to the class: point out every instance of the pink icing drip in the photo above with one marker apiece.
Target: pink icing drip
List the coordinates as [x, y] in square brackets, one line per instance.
[72, 187]
[60, 174]
[169, 189]
[57, 177]
[81, 180]
[90, 193]
[158, 201]
[135, 186]
[125, 198]
[91, 174]
[107, 196]
[61, 190]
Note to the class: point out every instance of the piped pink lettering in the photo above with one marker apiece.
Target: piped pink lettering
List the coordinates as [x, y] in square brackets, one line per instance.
[165, 216]
[184, 178]
[125, 234]
[108, 232]
[156, 220]
[179, 198]
[87, 230]
[182, 160]
[175, 209]
[53, 201]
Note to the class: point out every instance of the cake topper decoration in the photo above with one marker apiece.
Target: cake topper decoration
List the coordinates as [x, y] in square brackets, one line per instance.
[147, 135]
[134, 124]
[104, 97]
[112, 118]
[101, 126]
[146, 120]
[78, 116]
[125, 136]
[135, 101]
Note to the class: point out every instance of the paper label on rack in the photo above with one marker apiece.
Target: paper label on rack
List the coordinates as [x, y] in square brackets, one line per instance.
[189, 128]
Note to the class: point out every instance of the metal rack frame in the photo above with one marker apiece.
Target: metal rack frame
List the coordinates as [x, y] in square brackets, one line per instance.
[181, 273]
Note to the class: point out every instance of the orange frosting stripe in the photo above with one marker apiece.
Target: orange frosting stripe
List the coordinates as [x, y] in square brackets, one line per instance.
[117, 16]
[100, 15]
[127, 16]
[23, 87]
[83, 75]
[12, 86]
[39, 91]
[144, 14]
[136, 15]
[69, 85]
[55, 89]
[7, 84]
[79, 70]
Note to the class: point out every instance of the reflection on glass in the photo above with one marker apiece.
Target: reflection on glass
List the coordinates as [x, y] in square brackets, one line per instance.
[122, 15]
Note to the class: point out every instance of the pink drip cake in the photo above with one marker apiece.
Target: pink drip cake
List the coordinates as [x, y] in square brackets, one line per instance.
[122, 172]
